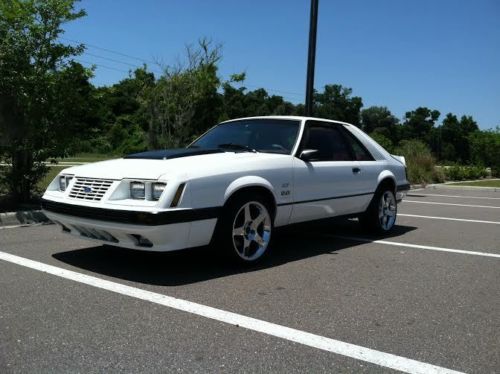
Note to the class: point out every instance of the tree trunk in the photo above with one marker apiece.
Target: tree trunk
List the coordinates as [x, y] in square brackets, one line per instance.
[22, 164]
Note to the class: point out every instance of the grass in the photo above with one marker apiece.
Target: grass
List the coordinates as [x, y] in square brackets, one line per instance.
[45, 181]
[53, 171]
[87, 157]
[483, 183]
[7, 204]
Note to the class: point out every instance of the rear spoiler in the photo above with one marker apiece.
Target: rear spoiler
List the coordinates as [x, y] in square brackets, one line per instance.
[400, 159]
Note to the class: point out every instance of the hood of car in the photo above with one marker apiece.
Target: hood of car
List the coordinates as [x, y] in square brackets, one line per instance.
[168, 154]
[155, 164]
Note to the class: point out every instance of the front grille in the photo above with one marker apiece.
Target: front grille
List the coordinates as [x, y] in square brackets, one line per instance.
[89, 188]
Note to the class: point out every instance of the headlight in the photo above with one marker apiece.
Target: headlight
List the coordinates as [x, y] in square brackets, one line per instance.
[157, 190]
[137, 190]
[64, 182]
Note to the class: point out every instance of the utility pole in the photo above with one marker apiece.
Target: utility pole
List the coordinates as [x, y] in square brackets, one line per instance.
[311, 58]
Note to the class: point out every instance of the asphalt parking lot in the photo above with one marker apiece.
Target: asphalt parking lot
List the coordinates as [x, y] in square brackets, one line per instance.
[425, 299]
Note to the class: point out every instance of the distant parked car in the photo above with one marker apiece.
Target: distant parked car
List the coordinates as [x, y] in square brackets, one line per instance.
[232, 186]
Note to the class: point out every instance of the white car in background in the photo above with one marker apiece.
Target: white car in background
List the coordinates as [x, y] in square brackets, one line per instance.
[232, 186]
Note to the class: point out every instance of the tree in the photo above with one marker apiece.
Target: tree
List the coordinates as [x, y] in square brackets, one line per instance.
[485, 149]
[383, 140]
[419, 123]
[379, 119]
[124, 122]
[238, 102]
[45, 96]
[336, 103]
[233, 99]
[184, 101]
[455, 138]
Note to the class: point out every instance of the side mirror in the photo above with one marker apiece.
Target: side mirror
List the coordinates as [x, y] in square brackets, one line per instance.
[308, 154]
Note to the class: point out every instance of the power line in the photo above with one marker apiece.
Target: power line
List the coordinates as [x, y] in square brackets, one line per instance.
[288, 93]
[101, 66]
[110, 51]
[121, 62]
[110, 59]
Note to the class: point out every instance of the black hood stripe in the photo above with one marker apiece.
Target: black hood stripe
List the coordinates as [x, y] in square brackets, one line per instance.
[167, 154]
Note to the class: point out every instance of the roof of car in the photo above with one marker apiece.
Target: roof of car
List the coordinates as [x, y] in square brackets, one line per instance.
[297, 118]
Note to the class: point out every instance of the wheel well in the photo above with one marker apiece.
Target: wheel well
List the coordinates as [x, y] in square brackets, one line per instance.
[387, 182]
[252, 190]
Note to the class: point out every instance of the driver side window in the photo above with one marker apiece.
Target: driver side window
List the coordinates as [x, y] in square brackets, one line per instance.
[328, 141]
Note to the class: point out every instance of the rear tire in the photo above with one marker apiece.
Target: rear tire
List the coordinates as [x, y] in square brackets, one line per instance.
[245, 227]
[380, 217]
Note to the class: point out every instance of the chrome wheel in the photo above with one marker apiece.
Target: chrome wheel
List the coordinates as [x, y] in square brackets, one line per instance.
[251, 231]
[387, 210]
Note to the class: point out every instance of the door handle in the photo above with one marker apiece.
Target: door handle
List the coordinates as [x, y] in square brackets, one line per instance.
[356, 170]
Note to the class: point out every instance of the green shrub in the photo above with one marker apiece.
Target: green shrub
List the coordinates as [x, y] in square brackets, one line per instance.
[485, 149]
[458, 172]
[3, 184]
[454, 173]
[438, 175]
[419, 161]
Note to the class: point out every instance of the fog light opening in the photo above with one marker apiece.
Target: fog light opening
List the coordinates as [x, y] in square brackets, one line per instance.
[64, 228]
[141, 241]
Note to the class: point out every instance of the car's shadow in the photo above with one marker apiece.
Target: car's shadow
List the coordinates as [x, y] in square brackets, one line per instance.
[194, 265]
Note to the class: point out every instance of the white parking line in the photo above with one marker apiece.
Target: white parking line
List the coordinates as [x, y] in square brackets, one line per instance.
[459, 196]
[449, 218]
[417, 246]
[316, 341]
[466, 205]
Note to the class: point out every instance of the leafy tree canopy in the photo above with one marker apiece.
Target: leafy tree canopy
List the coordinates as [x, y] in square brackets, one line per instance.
[45, 96]
[419, 122]
[380, 119]
[336, 102]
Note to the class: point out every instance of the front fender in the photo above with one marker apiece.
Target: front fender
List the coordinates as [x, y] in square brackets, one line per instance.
[247, 181]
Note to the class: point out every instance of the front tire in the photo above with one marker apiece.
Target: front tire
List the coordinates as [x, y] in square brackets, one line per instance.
[244, 232]
[381, 215]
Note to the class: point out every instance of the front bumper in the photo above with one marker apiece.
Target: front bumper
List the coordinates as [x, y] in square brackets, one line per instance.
[161, 231]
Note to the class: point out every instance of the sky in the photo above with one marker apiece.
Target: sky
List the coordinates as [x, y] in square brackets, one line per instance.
[443, 54]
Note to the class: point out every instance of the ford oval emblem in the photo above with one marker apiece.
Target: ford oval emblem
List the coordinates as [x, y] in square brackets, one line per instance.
[87, 189]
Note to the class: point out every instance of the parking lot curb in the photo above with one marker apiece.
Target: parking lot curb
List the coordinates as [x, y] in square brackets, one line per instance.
[437, 186]
[23, 217]
[417, 186]
[458, 187]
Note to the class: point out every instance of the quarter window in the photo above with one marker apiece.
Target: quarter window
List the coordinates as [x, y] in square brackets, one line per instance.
[359, 150]
[328, 141]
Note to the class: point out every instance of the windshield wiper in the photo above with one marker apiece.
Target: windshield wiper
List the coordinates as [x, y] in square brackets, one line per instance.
[237, 146]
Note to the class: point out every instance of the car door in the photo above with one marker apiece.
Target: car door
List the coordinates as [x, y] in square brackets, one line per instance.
[327, 184]
[369, 168]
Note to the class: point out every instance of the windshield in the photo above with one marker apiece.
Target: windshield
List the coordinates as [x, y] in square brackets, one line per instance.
[261, 135]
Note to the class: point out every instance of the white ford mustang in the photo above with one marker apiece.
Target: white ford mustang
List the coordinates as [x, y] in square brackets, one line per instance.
[232, 186]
